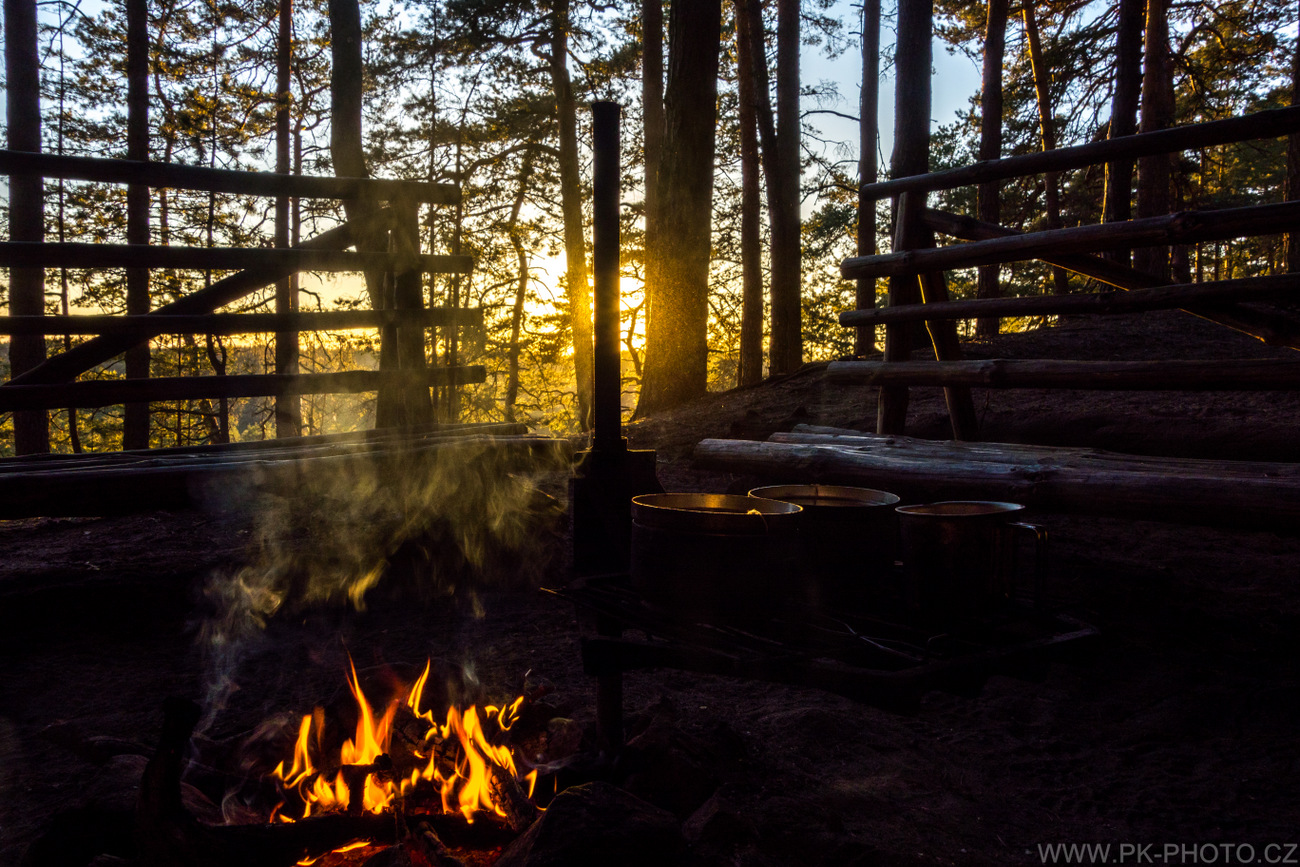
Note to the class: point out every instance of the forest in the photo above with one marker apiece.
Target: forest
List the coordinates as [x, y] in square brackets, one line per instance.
[737, 205]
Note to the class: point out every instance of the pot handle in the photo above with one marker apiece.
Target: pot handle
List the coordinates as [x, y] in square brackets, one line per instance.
[1040, 558]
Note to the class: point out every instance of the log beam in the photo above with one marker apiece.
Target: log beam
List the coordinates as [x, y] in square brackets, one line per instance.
[108, 392]
[241, 323]
[1181, 375]
[78, 255]
[1183, 227]
[1171, 297]
[222, 180]
[1254, 495]
[1272, 123]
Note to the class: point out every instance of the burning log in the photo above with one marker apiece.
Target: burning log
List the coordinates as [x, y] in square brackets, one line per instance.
[519, 811]
[168, 835]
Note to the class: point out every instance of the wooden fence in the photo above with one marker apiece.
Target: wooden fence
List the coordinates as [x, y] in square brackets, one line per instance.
[921, 265]
[403, 380]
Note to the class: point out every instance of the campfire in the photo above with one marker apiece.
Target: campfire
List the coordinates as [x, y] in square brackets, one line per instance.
[405, 759]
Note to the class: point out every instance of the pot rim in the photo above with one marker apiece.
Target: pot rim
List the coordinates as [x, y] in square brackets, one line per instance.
[959, 509]
[714, 513]
[828, 496]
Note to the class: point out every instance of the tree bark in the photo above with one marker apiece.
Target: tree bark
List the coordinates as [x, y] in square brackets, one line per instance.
[521, 288]
[911, 156]
[676, 363]
[864, 339]
[989, 206]
[135, 428]
[1118, 202]
[751, 305]
[26, 206]
[575, 238]
[348, 155]
[786, 351]
[1293, 160]
[1047, 124]
[1153, 198]
[652, 115]
[288, 409]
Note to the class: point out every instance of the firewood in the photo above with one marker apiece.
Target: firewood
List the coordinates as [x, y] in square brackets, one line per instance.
[520, 812]
[426, 841]
[168, 835]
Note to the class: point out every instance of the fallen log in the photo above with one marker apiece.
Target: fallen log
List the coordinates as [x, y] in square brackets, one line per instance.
[1254, 495]
[1244, 374]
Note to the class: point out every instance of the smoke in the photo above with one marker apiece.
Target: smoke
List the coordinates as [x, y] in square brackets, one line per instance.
[450, 518]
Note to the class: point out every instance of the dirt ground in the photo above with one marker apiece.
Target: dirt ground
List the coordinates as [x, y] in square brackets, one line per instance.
[1176, 728]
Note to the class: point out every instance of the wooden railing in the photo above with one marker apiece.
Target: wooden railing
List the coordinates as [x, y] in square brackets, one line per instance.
[915, 257]
[404, 379]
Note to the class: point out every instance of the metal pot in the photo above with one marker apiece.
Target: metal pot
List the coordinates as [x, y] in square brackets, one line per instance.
[961, 557]
[715, 556]
[849, 537]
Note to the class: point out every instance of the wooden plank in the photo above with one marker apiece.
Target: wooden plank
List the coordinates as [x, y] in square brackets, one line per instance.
[78, 255]
[1271, 123]
[1170, 297]
[1244, 374]
[152, 174]
[1180, 228]
[109, 392]
[203, 482]
[240, 323]
[1215, 493]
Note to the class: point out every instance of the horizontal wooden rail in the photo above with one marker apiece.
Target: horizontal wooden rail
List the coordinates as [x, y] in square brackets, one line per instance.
[76, 255]
[1172, 297]
[66, 366]
[110, 392]
[222, 180]
[1221, 375]
[271, 449]
[1180, 228]
[240, 323]
[1265, 124]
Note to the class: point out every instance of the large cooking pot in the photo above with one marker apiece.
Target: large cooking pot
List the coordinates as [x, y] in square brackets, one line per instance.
[849, 537]
[715, 555]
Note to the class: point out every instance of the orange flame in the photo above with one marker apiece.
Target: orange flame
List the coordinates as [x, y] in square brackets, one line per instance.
[467, 784]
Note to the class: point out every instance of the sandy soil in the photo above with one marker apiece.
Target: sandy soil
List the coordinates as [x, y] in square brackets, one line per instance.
[1177, 727]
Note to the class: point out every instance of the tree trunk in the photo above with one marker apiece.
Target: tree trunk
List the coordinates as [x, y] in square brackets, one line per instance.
[521, 288]
[652, 115]
[26, 207]
[1118, 203]
[864, 339]
[1047, 124]
[348, 155]
[1293, 160]
[676, 363]
[575, 236]
[1153, 198]
[751, 307]
[786, 352]
[911, 156]
[989, 195]
[288, 409]
[135, 429]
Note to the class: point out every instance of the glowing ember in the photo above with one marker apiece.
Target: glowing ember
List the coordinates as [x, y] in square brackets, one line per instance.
[456, 761]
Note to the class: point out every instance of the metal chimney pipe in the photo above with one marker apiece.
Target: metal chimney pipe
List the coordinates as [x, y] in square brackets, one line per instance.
[607, 391]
